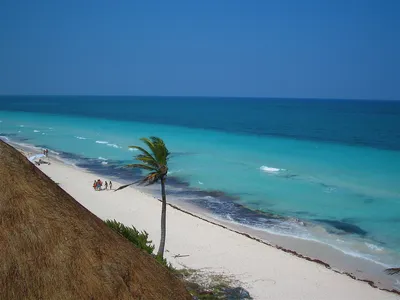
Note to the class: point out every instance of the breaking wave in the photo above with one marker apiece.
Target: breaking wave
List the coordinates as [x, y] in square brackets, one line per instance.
[114, 146]
[270, 169]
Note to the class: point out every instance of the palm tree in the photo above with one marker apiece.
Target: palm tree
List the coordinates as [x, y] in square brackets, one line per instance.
[393, 271]
[156, 162]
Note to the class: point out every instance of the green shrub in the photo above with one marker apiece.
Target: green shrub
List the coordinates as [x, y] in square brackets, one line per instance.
[164, 262]
[138, 238]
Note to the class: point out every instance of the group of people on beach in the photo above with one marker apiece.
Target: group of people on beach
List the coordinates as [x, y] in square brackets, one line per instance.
[98, 185]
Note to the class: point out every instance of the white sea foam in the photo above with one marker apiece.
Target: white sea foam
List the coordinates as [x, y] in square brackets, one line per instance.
[113, 145]
[374, 247]
[81, 138]
[269, 169]
[54, 152]
[133, 149]
[101, 142]
[36, 131]
[172, 172]
[102, 158]
[21, 125]
[294, 231]
[104, 163]
[397, 283]
[354, 253]
[4, 138]
[200, 182]
[19, 131]
[329, 190]
[43, 133]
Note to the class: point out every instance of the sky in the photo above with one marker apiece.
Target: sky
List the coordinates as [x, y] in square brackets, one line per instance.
[288, 48]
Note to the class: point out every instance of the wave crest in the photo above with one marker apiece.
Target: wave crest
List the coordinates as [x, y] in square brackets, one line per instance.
[114, 146]
[270, 169]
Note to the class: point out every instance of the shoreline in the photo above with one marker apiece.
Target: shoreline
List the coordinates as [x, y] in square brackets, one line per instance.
[59, 171]
[352, 234]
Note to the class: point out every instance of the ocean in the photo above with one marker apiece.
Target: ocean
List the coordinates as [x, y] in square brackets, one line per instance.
[320, 170]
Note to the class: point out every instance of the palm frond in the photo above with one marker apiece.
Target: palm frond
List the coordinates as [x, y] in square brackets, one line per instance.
[126, 185]
[158, 148]
[392, 271]
[151, 178]
[163, 152]
[151, 146]
[142, 166]
[154, 160]
[144, 151]
[147, 160]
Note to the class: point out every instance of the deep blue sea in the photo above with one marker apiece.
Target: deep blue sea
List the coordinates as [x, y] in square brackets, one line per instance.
[326, 170]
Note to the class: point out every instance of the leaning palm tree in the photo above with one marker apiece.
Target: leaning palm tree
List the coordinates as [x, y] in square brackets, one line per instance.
[156, 162]
[393, 271]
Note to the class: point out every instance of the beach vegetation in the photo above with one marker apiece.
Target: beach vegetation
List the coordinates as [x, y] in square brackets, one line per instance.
[155, 162]
[204, 285]
[139, 238]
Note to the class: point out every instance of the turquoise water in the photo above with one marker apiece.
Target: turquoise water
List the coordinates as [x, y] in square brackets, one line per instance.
[274, 177]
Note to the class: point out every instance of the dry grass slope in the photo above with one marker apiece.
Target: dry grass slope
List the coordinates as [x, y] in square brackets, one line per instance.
[51, 247]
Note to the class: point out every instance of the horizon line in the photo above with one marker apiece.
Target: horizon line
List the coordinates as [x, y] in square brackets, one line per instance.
[188, 96]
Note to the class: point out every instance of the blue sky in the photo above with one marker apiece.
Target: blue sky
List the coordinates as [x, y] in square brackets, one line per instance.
[318, 49]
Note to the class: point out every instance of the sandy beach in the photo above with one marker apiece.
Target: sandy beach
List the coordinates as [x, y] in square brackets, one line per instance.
[266, 272]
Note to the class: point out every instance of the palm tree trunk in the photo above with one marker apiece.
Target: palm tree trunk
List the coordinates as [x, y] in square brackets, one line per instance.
[160, 252]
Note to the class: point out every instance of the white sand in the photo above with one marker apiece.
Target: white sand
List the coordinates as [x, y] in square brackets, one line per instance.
[266, 272]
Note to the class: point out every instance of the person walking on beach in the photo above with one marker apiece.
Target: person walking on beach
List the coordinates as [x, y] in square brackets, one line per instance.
[110, 185]
[106, 184]
[99, 184]
[95, 185]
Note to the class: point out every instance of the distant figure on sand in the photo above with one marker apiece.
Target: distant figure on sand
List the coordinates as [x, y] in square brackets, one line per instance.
[105, 184]
[94, 185]
[110, 185]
